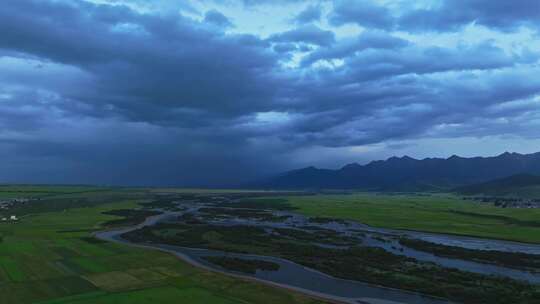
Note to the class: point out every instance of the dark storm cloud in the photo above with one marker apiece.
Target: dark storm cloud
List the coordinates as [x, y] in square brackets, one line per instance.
[143, 65]
[346, 48]
[446, 15]
[374, 64]
[384, 110]
[119, 153]
[103, 91]
[450, 15]
[285, 47]
[217, 18]
[125, 66]
[307, 34]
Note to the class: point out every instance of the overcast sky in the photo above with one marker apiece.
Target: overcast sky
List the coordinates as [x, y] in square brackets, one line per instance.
[209, 92]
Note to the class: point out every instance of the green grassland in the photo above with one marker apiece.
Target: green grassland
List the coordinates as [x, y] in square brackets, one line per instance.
[431, 213]
[205, 190]
[41, 191]
[49, 257]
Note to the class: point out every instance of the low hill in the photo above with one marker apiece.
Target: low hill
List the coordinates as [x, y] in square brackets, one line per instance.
[409, 174]
[520, 185]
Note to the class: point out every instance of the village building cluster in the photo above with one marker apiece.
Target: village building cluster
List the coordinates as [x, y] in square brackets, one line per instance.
[6, 205]
[506, 202]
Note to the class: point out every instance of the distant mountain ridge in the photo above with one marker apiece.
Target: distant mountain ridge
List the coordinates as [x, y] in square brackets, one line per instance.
[511, 185]
[409, 174]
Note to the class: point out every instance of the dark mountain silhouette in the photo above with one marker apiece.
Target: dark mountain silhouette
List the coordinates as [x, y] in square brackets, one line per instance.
[409, 174]
[515, 184]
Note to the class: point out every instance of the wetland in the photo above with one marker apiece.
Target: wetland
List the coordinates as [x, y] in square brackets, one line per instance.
[242, 235]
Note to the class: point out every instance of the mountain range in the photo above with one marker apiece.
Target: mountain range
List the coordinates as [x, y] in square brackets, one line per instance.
[519, 185]
[409, 174]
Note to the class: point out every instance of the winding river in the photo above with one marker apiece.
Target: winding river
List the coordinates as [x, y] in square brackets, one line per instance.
[290, 275]
[388, 239]
[314, 283]
[297, 277]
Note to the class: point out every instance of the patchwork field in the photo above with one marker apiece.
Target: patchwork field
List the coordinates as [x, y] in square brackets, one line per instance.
[30, 191]
[431, 213]
[49, 257]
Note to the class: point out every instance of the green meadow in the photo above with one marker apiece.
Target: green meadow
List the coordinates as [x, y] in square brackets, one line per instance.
[42, 191]
[431, 213]
[49, 257]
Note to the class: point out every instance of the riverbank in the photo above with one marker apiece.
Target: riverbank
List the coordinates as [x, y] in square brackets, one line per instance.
[358, 292]
[51, 258]
[231, 227]
[431, 213]
[111, 236]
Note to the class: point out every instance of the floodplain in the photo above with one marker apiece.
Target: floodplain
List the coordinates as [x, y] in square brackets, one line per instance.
[242, 247]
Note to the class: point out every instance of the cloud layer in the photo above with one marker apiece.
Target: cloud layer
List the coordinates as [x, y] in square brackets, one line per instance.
[190, 94]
